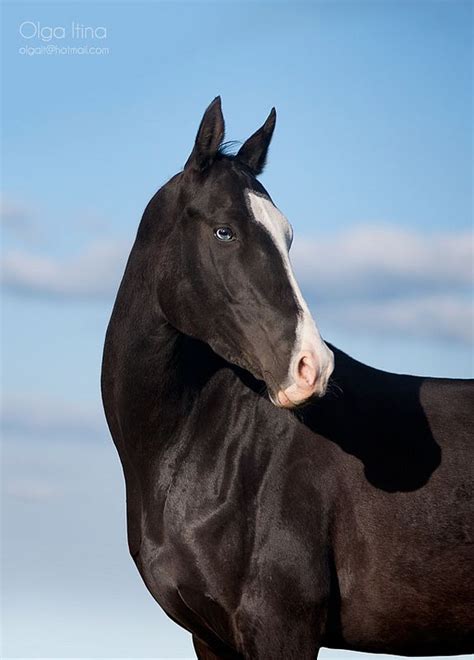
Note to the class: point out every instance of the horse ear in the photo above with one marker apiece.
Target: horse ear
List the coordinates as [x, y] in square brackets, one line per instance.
[209, 137]
[253, 152]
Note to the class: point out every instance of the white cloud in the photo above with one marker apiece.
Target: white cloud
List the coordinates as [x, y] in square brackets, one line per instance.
[30, 488]
[11, 209]
[436, 316]
[387, 280]
[43, 416]
[18, 219]
[94, 273]
[372, 262]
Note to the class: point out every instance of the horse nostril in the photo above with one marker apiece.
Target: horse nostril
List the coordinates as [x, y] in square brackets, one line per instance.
[306, 370]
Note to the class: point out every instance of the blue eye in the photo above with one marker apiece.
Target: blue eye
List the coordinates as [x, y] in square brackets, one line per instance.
[224, 234]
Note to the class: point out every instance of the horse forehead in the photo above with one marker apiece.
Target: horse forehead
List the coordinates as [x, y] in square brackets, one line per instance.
[264, 211]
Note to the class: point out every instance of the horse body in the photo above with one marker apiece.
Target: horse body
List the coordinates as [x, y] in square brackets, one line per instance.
[266, 532]
[253, 526]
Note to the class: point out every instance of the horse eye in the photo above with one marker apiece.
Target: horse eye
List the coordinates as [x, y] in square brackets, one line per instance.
[224, 234]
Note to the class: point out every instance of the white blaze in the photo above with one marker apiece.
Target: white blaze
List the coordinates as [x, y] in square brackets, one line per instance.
[307, 333]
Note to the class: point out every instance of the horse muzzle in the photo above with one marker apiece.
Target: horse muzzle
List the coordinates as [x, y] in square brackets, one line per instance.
[308, 378]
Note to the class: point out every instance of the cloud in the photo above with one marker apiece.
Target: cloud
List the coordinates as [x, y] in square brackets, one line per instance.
[375, 278]
[31, 474]
[40, 416]
[388, 280]
[18, 219]
[370, 262]
[444, 317]
[94, 273]
[30, 488]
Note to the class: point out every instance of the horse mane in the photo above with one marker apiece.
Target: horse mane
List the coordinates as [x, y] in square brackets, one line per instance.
[227, 149]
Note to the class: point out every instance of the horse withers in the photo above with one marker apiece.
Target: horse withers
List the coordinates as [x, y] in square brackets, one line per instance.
[265, 527]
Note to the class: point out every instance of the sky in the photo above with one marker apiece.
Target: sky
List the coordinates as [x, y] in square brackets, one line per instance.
[371, 162]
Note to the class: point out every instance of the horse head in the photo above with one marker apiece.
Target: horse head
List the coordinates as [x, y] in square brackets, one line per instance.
[222, 269]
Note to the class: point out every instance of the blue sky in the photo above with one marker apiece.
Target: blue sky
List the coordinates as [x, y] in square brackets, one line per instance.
[371, 162]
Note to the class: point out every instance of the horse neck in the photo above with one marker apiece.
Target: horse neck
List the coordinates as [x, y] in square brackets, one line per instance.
[152, 368]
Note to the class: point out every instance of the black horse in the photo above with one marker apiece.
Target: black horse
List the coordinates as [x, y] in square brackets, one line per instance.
[265, 527]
